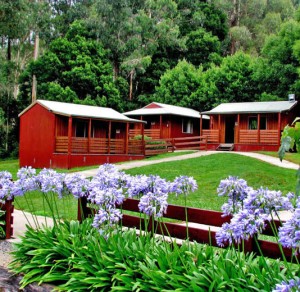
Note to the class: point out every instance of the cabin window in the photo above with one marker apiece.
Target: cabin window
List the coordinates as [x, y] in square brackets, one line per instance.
[253, 123]
[187, 126]
[81, 129]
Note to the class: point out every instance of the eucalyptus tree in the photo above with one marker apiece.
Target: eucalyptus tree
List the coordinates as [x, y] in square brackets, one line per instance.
[251, 21]
[75, 68]
[277, 70]
[177, 85]
[133, 30]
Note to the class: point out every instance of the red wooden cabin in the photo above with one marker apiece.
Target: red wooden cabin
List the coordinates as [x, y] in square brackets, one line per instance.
[63, 135]
[249, 126]
[164, 121]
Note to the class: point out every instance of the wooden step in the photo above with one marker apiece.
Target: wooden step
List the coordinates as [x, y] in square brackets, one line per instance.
[225, 147]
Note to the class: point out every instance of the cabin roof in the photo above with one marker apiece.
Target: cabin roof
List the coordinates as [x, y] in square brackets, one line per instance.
[156, 108]
[252, 107]
[79, 110]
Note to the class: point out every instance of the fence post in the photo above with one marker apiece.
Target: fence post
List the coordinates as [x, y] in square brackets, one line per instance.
[8, 207]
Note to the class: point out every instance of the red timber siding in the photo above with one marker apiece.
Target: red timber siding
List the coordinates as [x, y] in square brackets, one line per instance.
[37, 137]
[176, 130]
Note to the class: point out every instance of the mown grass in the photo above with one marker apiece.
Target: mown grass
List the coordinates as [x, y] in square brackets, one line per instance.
[12, 165]
[207, 170]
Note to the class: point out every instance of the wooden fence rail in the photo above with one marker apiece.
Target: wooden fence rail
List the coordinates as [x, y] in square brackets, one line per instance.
[8, 207]
[202, 226]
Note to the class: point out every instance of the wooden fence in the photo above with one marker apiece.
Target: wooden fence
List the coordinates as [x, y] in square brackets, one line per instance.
[202, 226]
[8, 207]
[158, 146]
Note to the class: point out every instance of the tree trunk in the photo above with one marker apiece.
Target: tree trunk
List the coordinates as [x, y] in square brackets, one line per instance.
[35, 56]
[131, 84]
[116, 69]
[8, 49]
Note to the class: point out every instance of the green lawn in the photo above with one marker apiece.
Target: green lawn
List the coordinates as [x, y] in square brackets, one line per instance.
[208, 171]
[12, 165]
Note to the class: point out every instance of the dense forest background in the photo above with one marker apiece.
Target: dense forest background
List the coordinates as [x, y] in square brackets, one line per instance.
[125, 54]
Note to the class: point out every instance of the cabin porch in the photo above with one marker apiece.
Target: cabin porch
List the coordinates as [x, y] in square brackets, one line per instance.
[246, 140]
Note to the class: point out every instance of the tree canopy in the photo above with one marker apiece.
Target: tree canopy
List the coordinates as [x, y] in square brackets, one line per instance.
[126, 53]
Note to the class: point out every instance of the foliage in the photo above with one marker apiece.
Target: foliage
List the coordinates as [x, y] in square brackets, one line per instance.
[231, 81]
[2, 223]
[177, 86]
[77, 257]
[74, 69]
[290, 139]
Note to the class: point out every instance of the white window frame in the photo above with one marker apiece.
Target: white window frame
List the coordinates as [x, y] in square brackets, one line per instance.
[187, 126]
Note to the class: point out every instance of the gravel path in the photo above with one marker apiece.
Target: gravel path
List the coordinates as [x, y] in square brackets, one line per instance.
[5, 249]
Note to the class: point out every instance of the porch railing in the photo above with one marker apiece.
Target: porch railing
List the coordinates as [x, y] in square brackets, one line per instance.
[258, 137]
[269, 137]
[93, 146]
[152, 133]
[212, 136]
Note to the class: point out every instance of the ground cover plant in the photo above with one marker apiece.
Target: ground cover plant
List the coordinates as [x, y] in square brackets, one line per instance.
[104, 257]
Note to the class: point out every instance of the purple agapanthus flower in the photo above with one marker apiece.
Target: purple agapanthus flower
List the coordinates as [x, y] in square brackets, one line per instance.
[51, 181]
[137, 186]
[5, 175]
[105, 219]
[292, 285]
[27, 181]
[243, 225]
[77, 185]
[184, 185]
[267, 201]
[237, 190]
[6, 186]
[153, 204]
[289, 232]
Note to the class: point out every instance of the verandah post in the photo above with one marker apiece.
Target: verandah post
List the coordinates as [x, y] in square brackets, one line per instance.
[69, 142]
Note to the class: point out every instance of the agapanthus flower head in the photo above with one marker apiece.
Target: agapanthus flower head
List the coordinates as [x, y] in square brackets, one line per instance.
[51, 181]
[184, 185]
[267, 201]
[106, 219]
[237, 190]
[137, 186]
[5, 175]
[77, 185]
[6, 189]
[234, 187]
[154, 204]
[289, 232]
[26, 172]
[27, 181]
[292, 285]
[243, 225]
[108, 176]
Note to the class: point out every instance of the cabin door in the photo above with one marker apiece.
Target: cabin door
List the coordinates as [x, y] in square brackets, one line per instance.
[229, 129]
